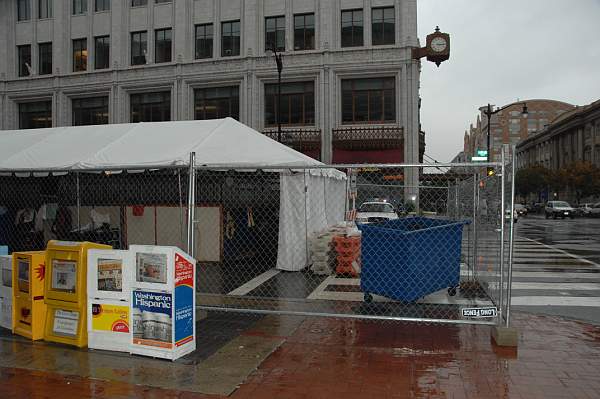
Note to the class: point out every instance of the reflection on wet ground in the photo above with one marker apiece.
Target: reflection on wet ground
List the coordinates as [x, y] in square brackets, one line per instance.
[331, 358]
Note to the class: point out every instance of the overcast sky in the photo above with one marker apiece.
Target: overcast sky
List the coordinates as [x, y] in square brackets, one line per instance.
[502, 51]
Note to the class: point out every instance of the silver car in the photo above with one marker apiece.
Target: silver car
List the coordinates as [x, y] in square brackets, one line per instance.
[555, 209]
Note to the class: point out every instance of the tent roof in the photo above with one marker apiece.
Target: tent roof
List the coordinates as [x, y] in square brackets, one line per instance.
[217, 142]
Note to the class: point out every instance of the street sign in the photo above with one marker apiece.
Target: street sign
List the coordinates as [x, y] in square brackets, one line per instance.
[479, 159]
[480, 312]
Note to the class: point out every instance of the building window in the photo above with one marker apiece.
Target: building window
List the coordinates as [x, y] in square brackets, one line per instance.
[45, 58]
[79, 7]
[139, 3]
[230, 39]
[102, 52]
[35, 115]
[217, 102]
[102, 5]
[369, 100]
[90, 111]
[23, 10]
[139, 47]
[24, 54]
[297, 104]
[383, 26]
[275, 33]
[44, 9]
[304, 32]
[204, 41]
[79, 55]
[352, 28]
[151, 107]
[162, 45]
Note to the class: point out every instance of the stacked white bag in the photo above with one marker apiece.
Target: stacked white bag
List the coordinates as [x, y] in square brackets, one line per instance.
[322, 251]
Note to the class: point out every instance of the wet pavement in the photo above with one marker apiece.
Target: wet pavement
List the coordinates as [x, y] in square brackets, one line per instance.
[579, 236]
[331, 358]
[557, 267]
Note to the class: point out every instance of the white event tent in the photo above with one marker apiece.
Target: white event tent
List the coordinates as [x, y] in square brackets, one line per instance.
[217, 143]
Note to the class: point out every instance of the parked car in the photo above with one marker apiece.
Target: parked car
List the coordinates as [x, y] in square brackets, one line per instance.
[595, 211]
[555, 209]
[584, 209]
[373, 212]
[521, 210]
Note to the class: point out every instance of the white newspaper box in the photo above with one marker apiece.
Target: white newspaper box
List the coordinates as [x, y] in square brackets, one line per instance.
[6, 292]
[109, 292]
[163, 302]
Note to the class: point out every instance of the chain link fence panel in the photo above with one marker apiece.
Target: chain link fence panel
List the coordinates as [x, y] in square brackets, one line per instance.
[364, 245]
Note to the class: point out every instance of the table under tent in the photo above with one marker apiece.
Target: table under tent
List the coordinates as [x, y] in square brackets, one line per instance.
[256, 200]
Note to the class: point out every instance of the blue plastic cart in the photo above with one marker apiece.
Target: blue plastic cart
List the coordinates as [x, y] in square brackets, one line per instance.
[407, 259]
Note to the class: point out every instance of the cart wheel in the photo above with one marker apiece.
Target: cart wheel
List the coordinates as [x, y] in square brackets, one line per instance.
[452, 291]
[368, 297]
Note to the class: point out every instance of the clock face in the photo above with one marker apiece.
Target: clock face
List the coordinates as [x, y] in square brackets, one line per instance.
[438, 44]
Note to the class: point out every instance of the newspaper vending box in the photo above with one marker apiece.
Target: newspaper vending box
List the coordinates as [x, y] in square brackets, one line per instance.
[6, 294]
[66, 291]
[29, 309]
[163, 302]
[109, 292]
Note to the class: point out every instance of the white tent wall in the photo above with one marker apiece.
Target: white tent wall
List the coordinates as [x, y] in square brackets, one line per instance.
[309, 202]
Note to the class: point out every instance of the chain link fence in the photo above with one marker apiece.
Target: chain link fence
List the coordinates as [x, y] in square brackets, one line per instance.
[352, 241]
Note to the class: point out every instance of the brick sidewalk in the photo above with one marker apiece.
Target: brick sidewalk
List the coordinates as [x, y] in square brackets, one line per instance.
[327, 358]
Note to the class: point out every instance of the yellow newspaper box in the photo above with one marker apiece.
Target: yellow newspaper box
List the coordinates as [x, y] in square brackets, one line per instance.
[66, 291]
[29, 309]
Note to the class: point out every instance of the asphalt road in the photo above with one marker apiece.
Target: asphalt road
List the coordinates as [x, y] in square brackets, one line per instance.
[557, 267]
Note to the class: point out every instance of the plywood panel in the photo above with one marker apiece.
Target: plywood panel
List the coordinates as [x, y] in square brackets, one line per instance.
[208, 234]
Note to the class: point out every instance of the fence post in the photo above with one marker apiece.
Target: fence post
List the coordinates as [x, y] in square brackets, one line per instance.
[502, 222]
[78, 203]
[456, 201]
[191, 204]
[511, 238]
[475, 214]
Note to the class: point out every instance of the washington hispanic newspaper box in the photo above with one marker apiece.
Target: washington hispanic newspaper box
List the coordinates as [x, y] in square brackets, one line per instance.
[66, 291]
[109, 297]
[163, 302]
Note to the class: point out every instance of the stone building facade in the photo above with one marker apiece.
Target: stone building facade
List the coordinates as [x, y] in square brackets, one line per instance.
[350, 87]
[574, 136]
[509, 126]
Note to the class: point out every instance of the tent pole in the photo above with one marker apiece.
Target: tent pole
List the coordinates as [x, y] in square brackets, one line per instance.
[191, 205]
[78, 204]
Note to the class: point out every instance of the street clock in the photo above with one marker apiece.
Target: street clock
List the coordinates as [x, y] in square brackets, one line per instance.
[437, 47]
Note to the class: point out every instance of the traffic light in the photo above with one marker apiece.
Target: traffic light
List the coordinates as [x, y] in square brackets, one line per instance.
[491, 171]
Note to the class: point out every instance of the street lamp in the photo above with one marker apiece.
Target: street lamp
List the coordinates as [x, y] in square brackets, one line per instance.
[279, 61]
[489, 112]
